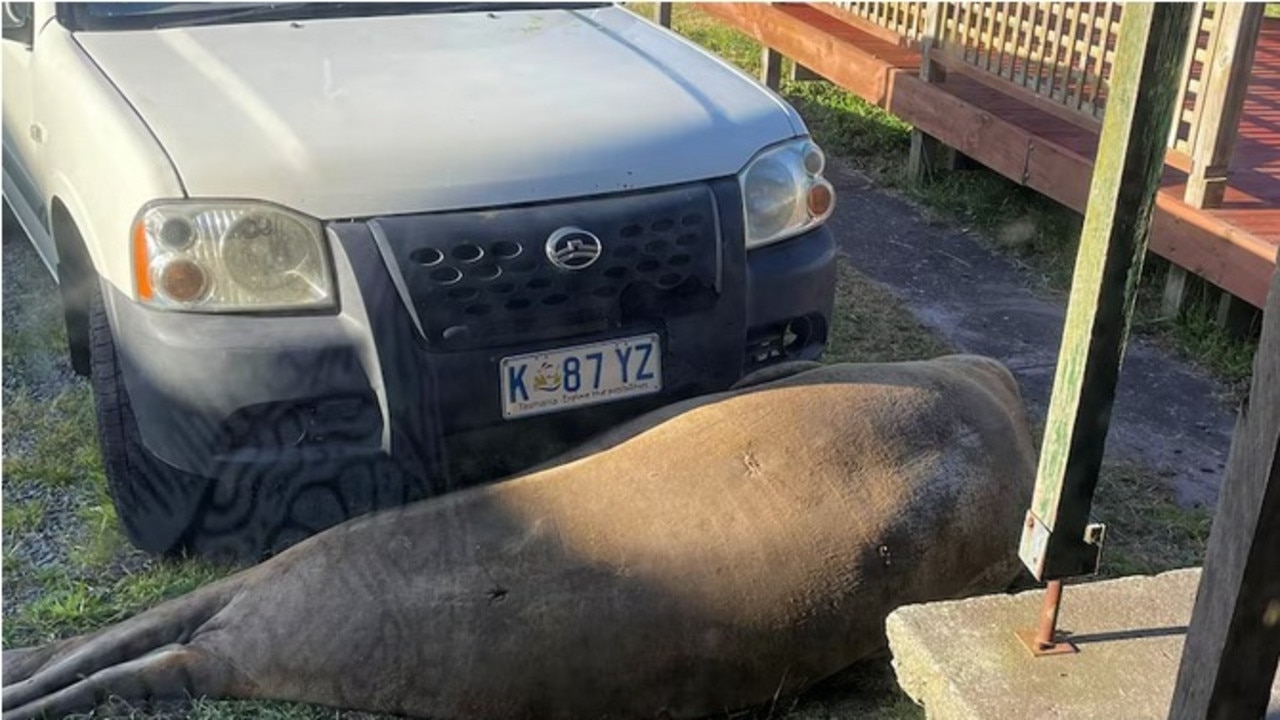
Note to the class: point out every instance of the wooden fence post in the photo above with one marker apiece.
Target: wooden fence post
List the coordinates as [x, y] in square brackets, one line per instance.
[770, 67]
[925, 149]
[1225, 81]
[1175, 291]
[801, 73]
[1235, 316]
[1230, 656]
[662, 14]
[1057, 541]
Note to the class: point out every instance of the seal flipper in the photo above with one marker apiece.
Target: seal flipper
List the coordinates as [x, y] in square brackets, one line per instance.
[21, 663]
[173, 672]
[54, 677]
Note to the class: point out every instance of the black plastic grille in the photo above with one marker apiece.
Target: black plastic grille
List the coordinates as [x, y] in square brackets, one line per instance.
[483, 278]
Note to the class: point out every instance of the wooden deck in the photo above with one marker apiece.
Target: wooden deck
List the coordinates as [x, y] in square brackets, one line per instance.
[1005, 128]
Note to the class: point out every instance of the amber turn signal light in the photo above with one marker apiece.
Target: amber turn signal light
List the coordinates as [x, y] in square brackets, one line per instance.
[141, 262]
[182, 280]
[820, 198]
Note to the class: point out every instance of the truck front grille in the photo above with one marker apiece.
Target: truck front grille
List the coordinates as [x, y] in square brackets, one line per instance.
[483, 278]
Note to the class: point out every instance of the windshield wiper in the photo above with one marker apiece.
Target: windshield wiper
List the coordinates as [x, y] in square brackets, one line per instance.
[314, 10]
[284, 11]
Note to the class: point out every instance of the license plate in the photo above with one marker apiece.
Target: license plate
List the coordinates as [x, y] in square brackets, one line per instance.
[575, 377]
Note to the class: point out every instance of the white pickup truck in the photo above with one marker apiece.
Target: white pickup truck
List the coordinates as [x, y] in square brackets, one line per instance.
[303, 246]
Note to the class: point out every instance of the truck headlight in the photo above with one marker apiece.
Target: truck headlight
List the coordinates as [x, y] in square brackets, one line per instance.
[784, 193]
[230, 256]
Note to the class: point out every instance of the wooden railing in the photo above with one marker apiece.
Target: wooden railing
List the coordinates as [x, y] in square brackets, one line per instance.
[1185, 118]
[904, 18]
[1061, 53]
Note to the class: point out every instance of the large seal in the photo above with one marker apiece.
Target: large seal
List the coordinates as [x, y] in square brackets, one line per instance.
[703, 558]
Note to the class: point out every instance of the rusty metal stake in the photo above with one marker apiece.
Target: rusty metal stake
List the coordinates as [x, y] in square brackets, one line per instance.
[1043, 640]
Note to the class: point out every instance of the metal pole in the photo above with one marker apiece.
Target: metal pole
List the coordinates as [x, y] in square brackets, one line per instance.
[1044, 639]
[1049, 615]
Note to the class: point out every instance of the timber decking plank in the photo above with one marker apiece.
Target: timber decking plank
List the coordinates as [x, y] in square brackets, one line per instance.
[996, 143]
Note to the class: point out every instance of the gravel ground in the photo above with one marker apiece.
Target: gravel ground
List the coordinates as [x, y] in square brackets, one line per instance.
[31, 374]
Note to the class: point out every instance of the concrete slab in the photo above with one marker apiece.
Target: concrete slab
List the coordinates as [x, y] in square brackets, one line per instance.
[961, 661]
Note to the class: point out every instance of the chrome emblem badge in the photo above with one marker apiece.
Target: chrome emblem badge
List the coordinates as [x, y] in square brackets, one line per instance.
[571, 248]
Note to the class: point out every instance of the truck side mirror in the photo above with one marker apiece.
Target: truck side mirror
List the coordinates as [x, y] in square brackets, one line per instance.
[15, 19]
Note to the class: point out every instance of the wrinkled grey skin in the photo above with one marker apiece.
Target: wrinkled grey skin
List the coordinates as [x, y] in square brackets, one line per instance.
[702, 558]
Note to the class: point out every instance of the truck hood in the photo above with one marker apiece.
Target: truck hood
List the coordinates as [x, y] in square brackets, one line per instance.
[354, 117]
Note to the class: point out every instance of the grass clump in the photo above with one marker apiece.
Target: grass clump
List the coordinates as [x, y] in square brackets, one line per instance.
[102, 543]
[22, 516]
[871, 325]
[58, 436]
[72, 603]
[1147, 531]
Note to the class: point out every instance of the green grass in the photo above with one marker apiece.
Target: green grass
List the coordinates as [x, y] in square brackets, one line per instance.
[40, 329]
[102, 540]
[1147, 531]
[1197, 337]
[72, 604]
[871, 325]
[22, 517]
[61, 432]
[1041, 234]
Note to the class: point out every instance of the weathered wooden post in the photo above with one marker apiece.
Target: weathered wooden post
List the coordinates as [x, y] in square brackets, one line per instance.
[662, 14]
[1058, 540]
[1230, 657]
[925, 150]
[770, 67]
[800, 73]
[1224, 83]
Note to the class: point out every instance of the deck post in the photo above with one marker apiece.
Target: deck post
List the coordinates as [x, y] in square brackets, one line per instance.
[770, 67]
[1058, 540]
[927, 150]
[801, 73]
[1233, 643]
[1175, 291]
[1225, 80]
[662, 14]
[1234, 315]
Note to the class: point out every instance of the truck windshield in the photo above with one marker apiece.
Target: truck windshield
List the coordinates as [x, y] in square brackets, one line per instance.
[148, 16]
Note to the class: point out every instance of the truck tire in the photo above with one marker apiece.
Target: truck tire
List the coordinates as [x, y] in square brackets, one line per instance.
[158, 505]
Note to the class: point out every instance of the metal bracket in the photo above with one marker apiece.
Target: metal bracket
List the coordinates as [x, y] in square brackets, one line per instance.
[1035, 552]
[1059, 647]
[1050, 559]
[1044, 640]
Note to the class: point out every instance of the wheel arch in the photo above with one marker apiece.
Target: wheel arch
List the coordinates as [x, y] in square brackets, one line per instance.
[76, 275]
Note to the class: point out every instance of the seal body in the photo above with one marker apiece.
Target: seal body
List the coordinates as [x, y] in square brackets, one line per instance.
[703, 558]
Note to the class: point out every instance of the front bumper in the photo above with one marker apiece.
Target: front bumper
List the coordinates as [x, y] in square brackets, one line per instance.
[252, 397]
